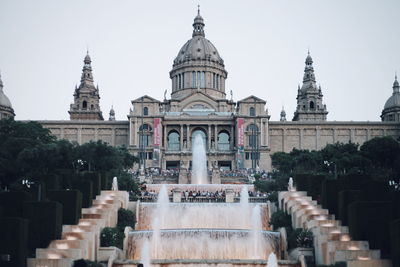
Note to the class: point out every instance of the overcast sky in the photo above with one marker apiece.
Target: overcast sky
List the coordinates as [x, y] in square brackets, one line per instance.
[355, 46]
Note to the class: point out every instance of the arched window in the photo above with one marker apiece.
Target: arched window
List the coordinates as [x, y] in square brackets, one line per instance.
[183, 81]
[213, 81]
[174, 141]
[91, 107]
[193, 79]
[144, 135]
[312, 105]
[84, 105]
[217, 80]
[179, 83]
[252, 111]
[223, 141]
[145, 111]
[252, 131]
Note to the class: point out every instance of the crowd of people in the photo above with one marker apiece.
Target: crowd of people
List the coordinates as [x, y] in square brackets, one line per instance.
[202, 196]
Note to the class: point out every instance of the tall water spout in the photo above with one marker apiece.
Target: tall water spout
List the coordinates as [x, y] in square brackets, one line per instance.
[199, 170]
[272, 260]
[162, 206]
[145, 254]
[244, 196]
[256, 235]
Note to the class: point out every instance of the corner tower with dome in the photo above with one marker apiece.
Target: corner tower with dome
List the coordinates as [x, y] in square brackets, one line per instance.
[6, 110]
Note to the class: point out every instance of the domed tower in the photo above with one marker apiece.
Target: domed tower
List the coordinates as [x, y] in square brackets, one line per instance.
[391, 111]
[6, 110]
[86, 104]
[198, 66]
[309, 97]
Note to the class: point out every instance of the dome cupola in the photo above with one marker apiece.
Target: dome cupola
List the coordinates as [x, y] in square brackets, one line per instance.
[198, 66]
[391, 110]
[6, 110]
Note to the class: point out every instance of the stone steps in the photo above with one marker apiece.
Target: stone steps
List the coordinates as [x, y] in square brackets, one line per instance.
[332, 241]
[83, 240]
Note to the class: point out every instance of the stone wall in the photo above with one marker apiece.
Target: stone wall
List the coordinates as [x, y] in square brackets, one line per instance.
[113, 132]
[284, 136]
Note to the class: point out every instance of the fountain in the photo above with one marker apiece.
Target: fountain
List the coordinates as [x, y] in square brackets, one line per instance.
[198, 233]
[199, 169]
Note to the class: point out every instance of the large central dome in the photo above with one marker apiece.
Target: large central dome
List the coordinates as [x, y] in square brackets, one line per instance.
[198, 66]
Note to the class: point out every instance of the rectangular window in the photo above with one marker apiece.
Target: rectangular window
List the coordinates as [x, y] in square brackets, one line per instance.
[150, 155]
[183, 80]
[247, 155]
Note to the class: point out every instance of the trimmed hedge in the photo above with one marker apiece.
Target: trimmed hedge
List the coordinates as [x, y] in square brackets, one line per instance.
[106, 180]
[95, 178]
[86, 188]
[370, 220]
[329, 198]
[395, 197]
[346, 197]
[395, 242]
[45, 222]
[52, 181]
[13, 202]
[312, 183]
[72, 204]
[126, 218]
[14, 240]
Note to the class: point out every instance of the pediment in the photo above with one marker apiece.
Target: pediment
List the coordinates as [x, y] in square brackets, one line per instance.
[145, 99]
[198, 101]
[252, 99]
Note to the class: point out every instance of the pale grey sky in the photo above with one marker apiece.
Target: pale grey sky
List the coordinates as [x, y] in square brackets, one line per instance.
[355, 45]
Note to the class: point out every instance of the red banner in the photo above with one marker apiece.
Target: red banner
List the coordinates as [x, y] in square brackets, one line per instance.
[240, 131]
[157, 131]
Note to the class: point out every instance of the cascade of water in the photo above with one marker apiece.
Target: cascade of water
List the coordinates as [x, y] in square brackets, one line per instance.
[145, 254]
[199, 166]
[256, 234]
[244, 196]
[272, 260]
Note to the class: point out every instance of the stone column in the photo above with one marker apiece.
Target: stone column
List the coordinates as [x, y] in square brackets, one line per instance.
[165, 137]
[215, 136]
[177, 195]
[318, 138]
[232, 137]
[209, 137]
[130, 132]
[96, 134]
[181, 138]
[188, 143]
[301, 139]
[229, 196]
[62, 130]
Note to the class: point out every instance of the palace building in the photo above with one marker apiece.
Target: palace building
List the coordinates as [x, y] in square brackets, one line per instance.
[237, 134]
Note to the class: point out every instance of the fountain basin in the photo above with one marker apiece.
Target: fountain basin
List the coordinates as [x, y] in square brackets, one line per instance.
[210, 244]
[202, 215]
[199, 187]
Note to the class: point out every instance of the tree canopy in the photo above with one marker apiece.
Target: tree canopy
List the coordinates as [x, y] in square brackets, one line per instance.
[27, 150]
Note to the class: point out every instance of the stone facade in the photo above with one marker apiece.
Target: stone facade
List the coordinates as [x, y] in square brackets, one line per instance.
[236, 134]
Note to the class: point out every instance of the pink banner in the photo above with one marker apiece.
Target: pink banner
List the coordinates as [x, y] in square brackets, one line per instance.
[157, 131]
[240, 131]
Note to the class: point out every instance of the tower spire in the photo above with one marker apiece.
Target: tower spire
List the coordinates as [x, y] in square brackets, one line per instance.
[86, 104]
[198, 24]
[396, 86]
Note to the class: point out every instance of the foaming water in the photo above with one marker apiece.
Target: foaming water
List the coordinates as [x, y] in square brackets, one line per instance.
[203, 244]
[145, 254]
[199, 169]
[256, 233]
[201, 215]
[272, 260]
